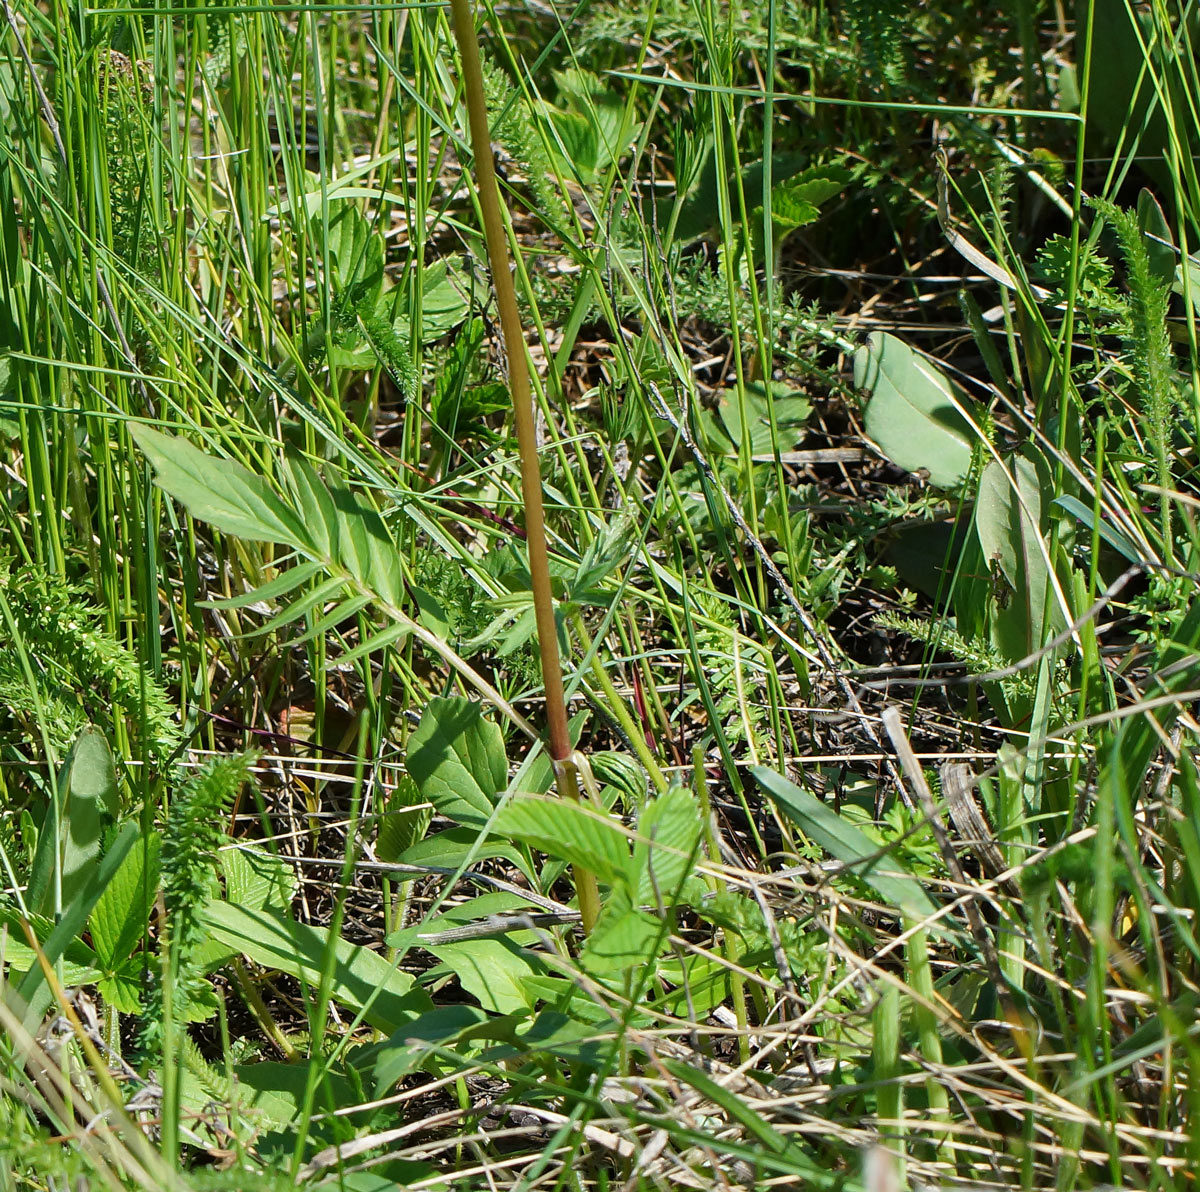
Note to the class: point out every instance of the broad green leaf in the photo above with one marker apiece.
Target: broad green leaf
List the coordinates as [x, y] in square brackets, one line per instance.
[492, 970]
[791, 408]
[568, 831]
[366, 549]
[87, 788]
[219, 491]
[666, 854]
[446, 294]
[124, 988]
[848, 844]
[461, 914]
[362, 980]
[274, 1092]
[74, 916]
[1160, 245]
[1009, 522]
[118, 920]
[449, 849]
[456, 757]
[314, 505]
[257, 880]
[620, 772]
[80, 965]
[914, 412]
[402, 822]
[443, 1028]
[625, 937]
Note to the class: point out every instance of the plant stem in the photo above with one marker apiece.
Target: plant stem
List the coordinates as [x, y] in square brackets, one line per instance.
[523, 417]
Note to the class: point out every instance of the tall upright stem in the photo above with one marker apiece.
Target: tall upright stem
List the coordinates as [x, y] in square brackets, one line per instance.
[522, 398]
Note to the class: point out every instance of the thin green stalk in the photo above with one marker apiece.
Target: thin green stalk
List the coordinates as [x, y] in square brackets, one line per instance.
[522, 398]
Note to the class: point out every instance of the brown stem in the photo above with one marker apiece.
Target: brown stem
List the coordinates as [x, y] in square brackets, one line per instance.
[522, 398]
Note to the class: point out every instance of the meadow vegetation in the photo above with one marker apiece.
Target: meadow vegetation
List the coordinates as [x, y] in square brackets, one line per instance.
[622, 617]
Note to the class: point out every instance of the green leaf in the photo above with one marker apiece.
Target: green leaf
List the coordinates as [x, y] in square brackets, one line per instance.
[572, 832]
[257, 880]
[87, 788]
[619, 771]
[848, 844]
[1160, 245]
[443, 1028]
[446, 294]
[795, 202]
[362, 980]
[403, 821]
[1083, 514]
[80, 965]
[275, 1091]
[457, 759]
[123, 989]
[287, 581]
[493, 971]
[219, 491]
[74, 916]
[758, 1127]
[1009, 522]
[118, 920]
[366, 549]
[665, 857]
[723, 426]
[914, 412]
[449, 849]
[624, 938]
[314, 504]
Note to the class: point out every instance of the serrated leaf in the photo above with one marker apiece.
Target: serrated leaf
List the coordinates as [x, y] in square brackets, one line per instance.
[123, 989]
[258, 880]
[403, 821]
[914, 411]
[847, 843]
[118, 920]
[666, 853]
[624, 938]
[362, 979]
[568, 831]
[621, 772]
[220, 492]
[456, 757]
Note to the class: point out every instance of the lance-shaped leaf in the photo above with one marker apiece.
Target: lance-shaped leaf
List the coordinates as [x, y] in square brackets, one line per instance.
[847, 843]
[221, 492]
